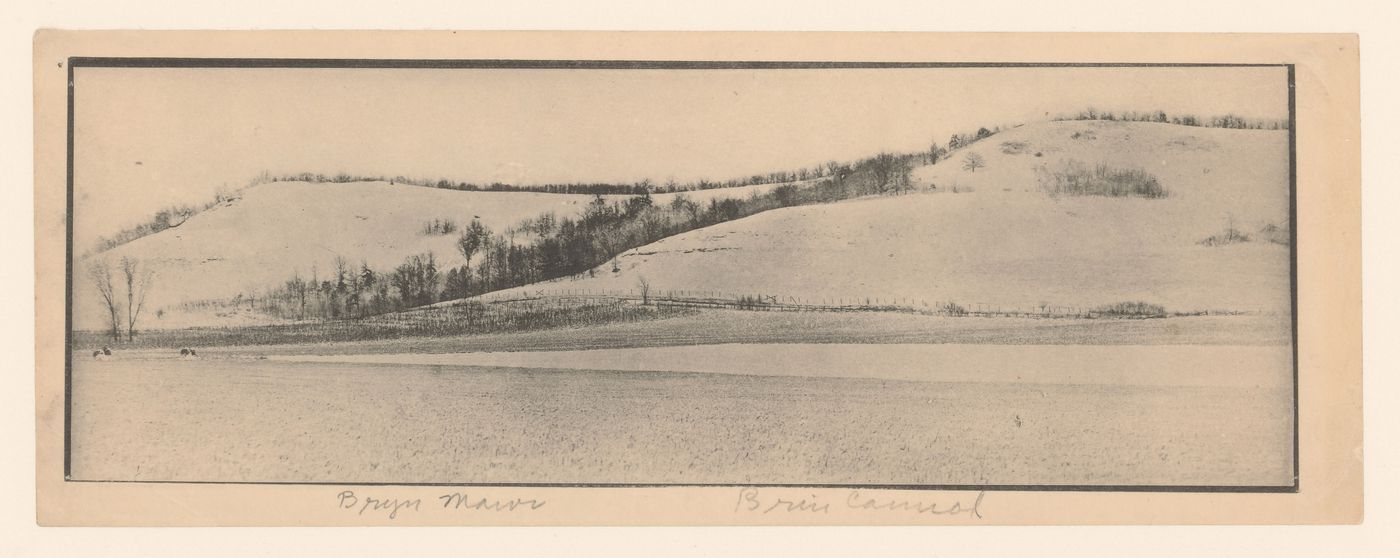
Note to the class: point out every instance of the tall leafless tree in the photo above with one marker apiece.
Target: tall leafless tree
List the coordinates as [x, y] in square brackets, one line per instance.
[298, 286]
[138, 285]
[644, 286]
[101, 275]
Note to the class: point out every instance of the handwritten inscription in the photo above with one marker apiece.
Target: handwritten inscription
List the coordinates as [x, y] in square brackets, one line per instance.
[858, 501]
[461, 501]
[751, 500]
[391, 507]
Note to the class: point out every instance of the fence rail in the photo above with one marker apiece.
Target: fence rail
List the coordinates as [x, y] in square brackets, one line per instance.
[782, 303]
[611, 301]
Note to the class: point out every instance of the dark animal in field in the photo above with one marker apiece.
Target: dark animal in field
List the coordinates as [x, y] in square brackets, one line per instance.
[187, 353]
[106, 351]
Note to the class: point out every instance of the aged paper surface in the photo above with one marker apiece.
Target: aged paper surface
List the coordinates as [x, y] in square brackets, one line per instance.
[962, 378]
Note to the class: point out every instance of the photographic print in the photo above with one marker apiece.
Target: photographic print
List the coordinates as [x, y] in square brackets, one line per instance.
[691, 284]
[616, 273]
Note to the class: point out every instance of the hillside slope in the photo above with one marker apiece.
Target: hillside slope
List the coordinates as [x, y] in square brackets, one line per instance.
[272, 230]
[1001, 240]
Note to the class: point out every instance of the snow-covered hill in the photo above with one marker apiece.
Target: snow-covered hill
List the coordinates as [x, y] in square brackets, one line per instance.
[992, 235]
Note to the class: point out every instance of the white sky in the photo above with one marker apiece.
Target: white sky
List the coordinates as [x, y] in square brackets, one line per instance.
[195, 130]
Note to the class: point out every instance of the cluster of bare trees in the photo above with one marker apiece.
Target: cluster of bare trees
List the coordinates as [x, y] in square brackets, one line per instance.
[588, 188]
[348, 292]
[1074, 178]
[1224, 121]
[134, 281]
[163, 219]
[938, 153]
[438, 227]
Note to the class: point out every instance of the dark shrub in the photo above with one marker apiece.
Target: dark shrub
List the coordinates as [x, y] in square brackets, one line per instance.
[1131, 310]
[1074, 178]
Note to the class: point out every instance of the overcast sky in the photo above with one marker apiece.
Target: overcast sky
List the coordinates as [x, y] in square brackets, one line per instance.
[148, 138]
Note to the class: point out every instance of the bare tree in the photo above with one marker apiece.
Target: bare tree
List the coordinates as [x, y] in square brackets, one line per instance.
[138, 285]
[101, 275]
[473, 237]
[834, 169]
[644, 286]
[973, 161]
[341, 288]
[252, 290]
[298, 286]
[342, 268]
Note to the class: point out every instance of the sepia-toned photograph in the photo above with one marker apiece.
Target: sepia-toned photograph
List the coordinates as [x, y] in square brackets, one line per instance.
[563, 273]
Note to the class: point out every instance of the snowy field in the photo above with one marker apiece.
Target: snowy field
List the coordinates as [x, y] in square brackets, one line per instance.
[1066, 418]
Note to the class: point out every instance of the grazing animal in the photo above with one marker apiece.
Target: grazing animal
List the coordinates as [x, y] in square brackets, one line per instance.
[106, 351]
[184, 352]
[188, 353]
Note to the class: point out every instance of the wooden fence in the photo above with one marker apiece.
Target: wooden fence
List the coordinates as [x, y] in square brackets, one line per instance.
[782, 303]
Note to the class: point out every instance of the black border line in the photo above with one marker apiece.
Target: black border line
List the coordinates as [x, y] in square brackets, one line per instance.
[1293, 258]
[947, 487]
[360, 63]
[388, 63]
[68, 299]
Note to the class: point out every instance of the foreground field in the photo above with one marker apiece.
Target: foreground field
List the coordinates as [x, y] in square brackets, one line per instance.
[673, 327]
[1142, 365]
[264, 420]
